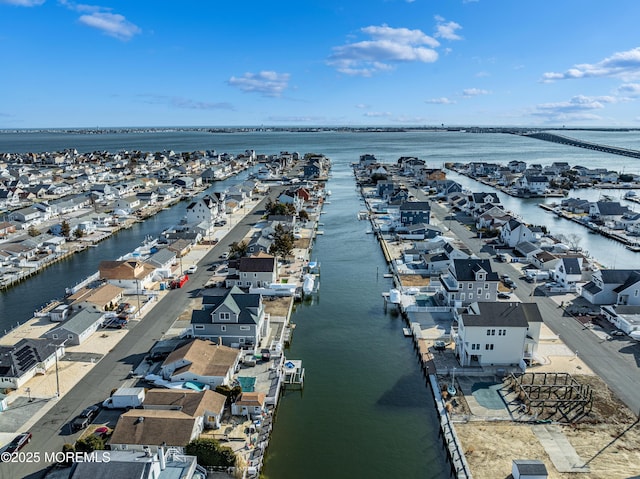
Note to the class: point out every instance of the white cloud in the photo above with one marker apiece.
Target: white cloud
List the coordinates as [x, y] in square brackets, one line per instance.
[378, 114]
[579, 107]
[447, 30]
[362, 106]
[387, 47]
[112, 24]
[440, 101]
[268, 83]
[470, 92]
[23, 3]
[625, 65]
[629, 89]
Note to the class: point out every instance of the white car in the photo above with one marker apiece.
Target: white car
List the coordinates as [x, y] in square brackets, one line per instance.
[192, 269]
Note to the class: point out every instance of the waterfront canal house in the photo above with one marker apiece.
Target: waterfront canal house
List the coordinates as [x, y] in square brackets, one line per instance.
[478, 202]
[207, 209]
[515, 232]
[415, 212]
[257, 271]
[28, 357]
[202, 361]
[604, 212]
[131, 274]
[28, 216]
[568, 273]
[78, 328]
[250, 404]
[235, 319]
[148, 430]
[497, 334]
[104, 297]
[532, 185]
[468, 281]
[613, 286]
[205, 405]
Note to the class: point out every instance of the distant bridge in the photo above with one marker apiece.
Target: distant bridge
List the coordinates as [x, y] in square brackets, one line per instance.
[565, 140]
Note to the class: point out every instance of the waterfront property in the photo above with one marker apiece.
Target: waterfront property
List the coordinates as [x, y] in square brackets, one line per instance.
[497, 334]
[234, 319]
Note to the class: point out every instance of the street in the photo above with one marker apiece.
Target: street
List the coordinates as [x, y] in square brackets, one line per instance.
[51, 432]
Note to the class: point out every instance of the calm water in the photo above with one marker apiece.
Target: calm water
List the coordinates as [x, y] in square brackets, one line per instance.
[365, 410]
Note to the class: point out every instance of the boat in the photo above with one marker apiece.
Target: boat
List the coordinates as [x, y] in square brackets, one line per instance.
[406, 331]
[630, 194]
[635, 335]
[634, 247]
[394, 296]
[308, 283]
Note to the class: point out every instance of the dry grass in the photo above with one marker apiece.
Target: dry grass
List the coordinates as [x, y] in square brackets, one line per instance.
[409, 280]
[278, 306]
[607, 439]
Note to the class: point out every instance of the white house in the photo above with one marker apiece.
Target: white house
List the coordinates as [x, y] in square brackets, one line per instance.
[515, 232]
[497, 334]
[613, 286]
[568, 272]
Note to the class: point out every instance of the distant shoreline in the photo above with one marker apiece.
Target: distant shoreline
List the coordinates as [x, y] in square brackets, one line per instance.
[310, 129]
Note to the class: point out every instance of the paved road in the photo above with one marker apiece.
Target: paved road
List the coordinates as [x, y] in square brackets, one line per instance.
[617, 361]
[52, 431]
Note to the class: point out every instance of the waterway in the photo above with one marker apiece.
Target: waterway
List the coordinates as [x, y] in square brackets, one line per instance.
[18, 303]
[365, 410]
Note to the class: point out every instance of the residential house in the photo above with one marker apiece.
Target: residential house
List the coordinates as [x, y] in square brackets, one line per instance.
[476, 201]
[77, 328]
[208, 405]
[23, 360]
[607, 211]
[613, 286]
[206, 209]
[497, 334]
[415, 212]
[234, 319]
[105, 297]
[259, 270]
[533, 184]
[202, 361]
[623, 317]
[130, 274]
[568, 272]
[515, 232]
[250, 404]
[469, 280]
[148, 430]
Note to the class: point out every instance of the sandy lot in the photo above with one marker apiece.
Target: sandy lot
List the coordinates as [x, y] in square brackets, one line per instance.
[607, 440]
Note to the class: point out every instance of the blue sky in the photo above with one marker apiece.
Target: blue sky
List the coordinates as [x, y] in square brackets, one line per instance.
[319, 62]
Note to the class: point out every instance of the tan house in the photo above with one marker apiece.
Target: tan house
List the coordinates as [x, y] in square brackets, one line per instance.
[130, 274]
[147, 429]
[207, 405]
[249, 404]
[105, 297]
[201, 361]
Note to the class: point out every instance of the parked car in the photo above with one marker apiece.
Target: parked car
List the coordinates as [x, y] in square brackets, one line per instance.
[439, 345]
[115, 323]
[84, 418]
[617, 332]
[503, 295]
[123, 307]
[192, 269]
[225, 255]
[18, 442]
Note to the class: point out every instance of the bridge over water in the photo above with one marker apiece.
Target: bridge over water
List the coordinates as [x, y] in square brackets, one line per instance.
[565, 140]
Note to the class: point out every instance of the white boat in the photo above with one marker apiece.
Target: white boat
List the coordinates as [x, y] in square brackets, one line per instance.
[394, 296]
[630, 194]
[635, 335]
[308, 284]
[406, 332]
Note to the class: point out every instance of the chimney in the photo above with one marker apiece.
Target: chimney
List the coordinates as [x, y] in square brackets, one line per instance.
[162, 458]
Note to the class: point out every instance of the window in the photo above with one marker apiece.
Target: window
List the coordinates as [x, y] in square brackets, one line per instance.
[486, 286]
[225, 316]
[488, 332]
[470, 296]
[245, 328]
[491, 332]
[488, 296]
[470, 286]
[488, 347]
[199, 326]
[479, 291]
[502, 332]
[223, 328]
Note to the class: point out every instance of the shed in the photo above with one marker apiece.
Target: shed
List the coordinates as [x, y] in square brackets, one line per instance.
[528, 469]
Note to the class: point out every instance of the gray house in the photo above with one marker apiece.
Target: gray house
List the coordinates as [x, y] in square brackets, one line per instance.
[77, 328]
[235, 319]
[415, 212]
[468, 281]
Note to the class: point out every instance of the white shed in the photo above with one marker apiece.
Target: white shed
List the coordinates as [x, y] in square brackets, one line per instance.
[528, 469]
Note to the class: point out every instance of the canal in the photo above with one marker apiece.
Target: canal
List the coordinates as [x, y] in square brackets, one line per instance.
[365, 410]
[18, 303]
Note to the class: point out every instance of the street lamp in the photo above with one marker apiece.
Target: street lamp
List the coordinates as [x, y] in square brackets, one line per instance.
[57, 374]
